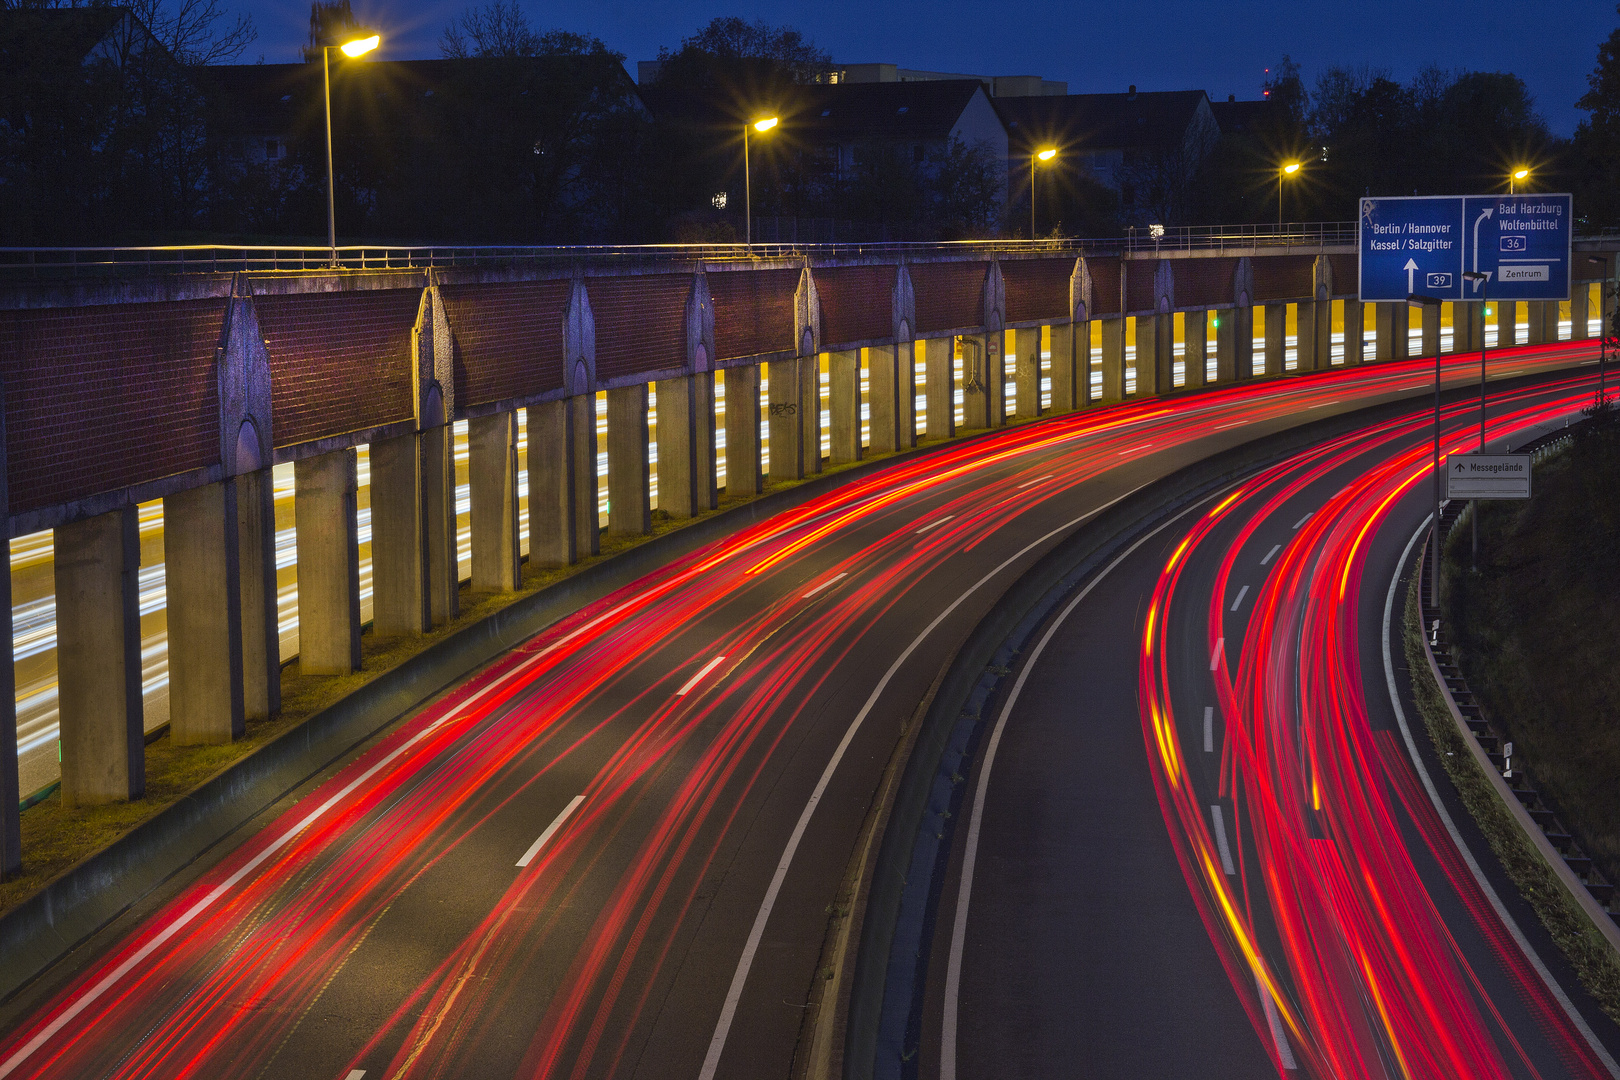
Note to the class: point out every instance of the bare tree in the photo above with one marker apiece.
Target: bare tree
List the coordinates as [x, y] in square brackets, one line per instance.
[499, 28]
[196, 32]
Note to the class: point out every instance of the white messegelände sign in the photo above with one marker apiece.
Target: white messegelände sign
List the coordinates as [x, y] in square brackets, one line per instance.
[1488, 476]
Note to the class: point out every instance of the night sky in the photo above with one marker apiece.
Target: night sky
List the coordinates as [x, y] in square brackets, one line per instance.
[1223, 48]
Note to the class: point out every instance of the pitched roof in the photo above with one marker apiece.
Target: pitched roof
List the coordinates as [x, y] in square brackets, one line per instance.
[907, 111]
[1136, 121]
[57, 34]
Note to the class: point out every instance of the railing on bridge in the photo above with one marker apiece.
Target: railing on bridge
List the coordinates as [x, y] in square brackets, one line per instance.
[56, 262]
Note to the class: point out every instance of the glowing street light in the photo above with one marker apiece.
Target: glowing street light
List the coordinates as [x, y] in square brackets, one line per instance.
[1288, 169]
[1039, 155]
[356, 47]
[1515, 177]
[762, 125]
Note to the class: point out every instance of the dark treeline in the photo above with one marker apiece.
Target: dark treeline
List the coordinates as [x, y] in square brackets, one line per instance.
[535, 136]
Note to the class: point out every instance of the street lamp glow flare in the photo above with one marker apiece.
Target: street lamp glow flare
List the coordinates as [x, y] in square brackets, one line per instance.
[765, 124]
[361, 46]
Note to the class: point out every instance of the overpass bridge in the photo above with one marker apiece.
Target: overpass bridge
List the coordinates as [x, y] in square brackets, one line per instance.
[582, 388]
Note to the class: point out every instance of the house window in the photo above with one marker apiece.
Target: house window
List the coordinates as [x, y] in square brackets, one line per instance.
[272, 149]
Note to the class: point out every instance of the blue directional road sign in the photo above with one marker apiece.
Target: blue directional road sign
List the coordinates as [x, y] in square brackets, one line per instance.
[1423, 244]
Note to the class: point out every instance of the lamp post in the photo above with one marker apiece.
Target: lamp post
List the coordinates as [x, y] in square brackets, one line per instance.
[1603, 326]
[762, 125]
[1484, 302]
[1288, 169]
[357, 47]
[1036, 156]
[1514, 177]
[1418, 300]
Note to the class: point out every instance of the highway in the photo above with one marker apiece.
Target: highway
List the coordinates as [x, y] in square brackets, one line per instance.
[612, 852]
[1224, 820]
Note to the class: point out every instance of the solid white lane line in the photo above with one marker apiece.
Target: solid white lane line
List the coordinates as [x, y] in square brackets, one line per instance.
[694, 680]
[1220, 839]
[1037, 480]
[1209, 729]
[1557, 991]
[1272, 553]
[551, 830]
[1273, 1021]
[1223, 427]
[826, 584]
[728, 1011]
[953, 968]
[934, 524]
[1241, 594]
[1134, 449]
[1303, 520]
[355, 1074]
[1215, 657]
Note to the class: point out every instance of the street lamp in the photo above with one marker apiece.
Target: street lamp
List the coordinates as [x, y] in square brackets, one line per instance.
[762, 125]
[1418, 300]
[1515, 177]
[356, 47]
[1288, 169]
[1484, 301]
[1604, 292]
[1039, 155]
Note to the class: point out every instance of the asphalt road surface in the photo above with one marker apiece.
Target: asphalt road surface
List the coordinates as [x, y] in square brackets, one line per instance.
[1204, 847]
[612, 851]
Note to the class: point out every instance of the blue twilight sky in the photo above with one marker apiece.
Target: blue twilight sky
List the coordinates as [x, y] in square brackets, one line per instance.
[1097, 46]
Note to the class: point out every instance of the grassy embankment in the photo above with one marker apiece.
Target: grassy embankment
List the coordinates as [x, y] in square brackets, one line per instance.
[1537, 633]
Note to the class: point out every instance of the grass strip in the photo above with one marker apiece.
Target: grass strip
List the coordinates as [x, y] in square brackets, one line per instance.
[1582, 943]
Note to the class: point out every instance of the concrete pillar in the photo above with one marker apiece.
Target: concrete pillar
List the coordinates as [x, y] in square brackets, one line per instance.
[889, 376]
[1390, 341]
[492, 483]
[810, 398]
[399, 583]
[1430, 316]
[1154, 354]
[440, 549]
[743, 476]
[328, 564]
[1543, 321]
[1234, 344]
[261, 616]
[940, 387]
[629, 468]
[976, 383]
[10, 792]
[1195, 348]
[549, 432]
[1580, 311]
[1027, 371]
[1113, 360]
[98, 659]
[587, 516]
[844, 404]
[203, 587]
[993, 349]
[1067, 389]
[1313, 330]
[1083, 393]
[1467, 327]
[787, 417]
[1354, 323]
[686, 446]
[1507, 323]
[1276, 333]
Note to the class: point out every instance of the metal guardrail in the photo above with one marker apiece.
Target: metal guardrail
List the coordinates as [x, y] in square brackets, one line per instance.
[55, 262]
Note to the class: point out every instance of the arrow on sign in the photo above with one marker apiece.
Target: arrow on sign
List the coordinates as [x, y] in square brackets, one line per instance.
[1410, 268]
[1483, 214]
[1459, 466]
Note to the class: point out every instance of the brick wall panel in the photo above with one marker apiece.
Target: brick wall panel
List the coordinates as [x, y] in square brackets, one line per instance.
[1284, 277]
[753, 311]
[1037, 288]
[1139, 275]
[101, 398]
[857, 303]
[339, 362]
[509, 338]
[1104, 286]
[1204, 282]
[640, 323]
[949, 295]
